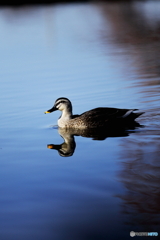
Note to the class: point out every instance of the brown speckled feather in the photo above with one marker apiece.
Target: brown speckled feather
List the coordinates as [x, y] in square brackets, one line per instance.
[99, 117]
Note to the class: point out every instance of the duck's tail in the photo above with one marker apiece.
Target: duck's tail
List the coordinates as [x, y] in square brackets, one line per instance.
[136, 115]
[129, 119]
[130, 115]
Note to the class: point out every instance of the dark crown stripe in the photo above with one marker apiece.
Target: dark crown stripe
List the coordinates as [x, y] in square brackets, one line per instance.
[59, 103]
[61, 100]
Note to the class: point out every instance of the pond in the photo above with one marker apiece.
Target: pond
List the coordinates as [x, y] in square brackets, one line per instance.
[97, 55]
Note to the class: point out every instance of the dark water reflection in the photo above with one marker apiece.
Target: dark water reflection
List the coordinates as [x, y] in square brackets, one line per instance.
[140, 172]
[101, 54]
[67, 148]
[140, 175]
[138, 35]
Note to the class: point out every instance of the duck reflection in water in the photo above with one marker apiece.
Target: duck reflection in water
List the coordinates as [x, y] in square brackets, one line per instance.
[67, 148]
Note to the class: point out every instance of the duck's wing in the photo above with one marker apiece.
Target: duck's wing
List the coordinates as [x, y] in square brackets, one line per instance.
[109, 114]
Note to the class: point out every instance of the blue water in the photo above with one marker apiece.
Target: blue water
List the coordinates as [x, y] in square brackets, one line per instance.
[95, 55]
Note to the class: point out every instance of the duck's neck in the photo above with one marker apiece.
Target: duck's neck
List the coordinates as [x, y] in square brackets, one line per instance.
[66, 114]
[65, 117]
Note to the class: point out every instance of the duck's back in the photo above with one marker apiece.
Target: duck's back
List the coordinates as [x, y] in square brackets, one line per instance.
[99, 117]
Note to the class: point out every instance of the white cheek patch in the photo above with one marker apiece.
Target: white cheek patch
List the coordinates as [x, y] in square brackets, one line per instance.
[57, 105]
[59, 102]
[60, 106]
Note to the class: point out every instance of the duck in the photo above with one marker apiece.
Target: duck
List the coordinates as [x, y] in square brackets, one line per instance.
[94, 118]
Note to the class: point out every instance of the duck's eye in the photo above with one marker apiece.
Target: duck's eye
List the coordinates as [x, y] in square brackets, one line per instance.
[57, 104]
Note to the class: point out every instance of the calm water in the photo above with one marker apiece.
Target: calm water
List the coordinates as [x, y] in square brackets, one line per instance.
[96, 55]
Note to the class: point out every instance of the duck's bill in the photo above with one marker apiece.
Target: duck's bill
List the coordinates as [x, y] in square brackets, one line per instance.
[51, 110]
[53, 146]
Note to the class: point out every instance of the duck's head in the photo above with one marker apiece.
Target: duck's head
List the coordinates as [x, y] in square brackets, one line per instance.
[61, 104]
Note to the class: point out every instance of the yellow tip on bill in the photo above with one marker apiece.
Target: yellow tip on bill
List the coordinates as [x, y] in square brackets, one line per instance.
[46, 112]
[50, 146]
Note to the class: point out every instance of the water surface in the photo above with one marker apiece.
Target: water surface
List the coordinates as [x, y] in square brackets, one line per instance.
[96, 55]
